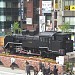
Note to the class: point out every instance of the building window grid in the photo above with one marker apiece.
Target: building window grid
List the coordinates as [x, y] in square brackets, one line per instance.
[71, 21]
[69, 2]
[6, 14]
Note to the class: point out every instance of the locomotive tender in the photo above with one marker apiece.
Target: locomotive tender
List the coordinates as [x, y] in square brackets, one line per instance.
[45, 44]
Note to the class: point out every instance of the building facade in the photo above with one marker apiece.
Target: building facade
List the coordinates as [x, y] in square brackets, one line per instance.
[68, 7]
[23, 11]
[8, 14]
[29, 12]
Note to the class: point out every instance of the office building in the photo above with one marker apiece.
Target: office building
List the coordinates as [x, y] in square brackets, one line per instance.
[23, 11]
[8, 14]
[68, 7]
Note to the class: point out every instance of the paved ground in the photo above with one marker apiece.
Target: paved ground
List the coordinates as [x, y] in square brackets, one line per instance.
[9, 71]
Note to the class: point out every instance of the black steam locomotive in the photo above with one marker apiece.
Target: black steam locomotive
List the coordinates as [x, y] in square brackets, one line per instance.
[45, 44]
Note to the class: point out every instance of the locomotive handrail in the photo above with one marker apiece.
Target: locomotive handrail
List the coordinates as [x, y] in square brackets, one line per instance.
[7, 44]
[43, 47]
[55, 51]
[17, 43]
[11, 42]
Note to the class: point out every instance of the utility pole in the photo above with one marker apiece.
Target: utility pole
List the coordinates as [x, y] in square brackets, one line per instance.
[55, 13]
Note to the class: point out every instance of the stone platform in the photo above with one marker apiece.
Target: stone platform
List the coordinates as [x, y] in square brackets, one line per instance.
[20, 61]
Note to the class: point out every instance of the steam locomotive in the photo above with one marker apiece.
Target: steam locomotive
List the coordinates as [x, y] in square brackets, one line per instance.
[45, 44]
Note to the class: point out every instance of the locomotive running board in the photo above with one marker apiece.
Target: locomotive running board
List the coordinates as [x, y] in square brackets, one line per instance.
[44, 48]
[12, 43]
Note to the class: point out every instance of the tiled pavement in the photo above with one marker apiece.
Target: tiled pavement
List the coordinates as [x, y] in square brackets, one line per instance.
[9, 71]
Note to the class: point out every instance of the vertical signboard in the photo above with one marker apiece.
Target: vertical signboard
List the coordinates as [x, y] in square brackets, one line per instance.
[41, 23]
[21, 11]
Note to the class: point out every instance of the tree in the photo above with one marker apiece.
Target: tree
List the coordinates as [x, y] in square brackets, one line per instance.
[16, 28]
[65, 27]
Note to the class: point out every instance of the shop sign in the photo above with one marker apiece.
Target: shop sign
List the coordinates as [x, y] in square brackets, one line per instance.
[46, 6]
[29, 21]
[72, 7]
[66, 8]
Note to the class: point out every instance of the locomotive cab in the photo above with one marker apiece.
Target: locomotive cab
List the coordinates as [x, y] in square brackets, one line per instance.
[45, 44]
[57, 43]
[46, 39]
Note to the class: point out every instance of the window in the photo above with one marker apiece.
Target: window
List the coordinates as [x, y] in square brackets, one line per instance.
[49, 40]
[71, 21]
[14, 5]
[66, 3]
[18, 5]
[48, 17]
[72, 26]
[1, 11]
[41, 39]
[63, 5]
[8, 4]
[47, 0]
[2, 4]
[19, 18]
[9, 18]
[2, 18]
[66, 19]
[7, 25]
[46, 39]
[74, 2]
[1, 25]
[71, 2]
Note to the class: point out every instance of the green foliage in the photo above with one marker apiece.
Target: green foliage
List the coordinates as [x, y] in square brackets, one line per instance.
[67, 66]
[9, 33]
[65, 27]
[16, 27]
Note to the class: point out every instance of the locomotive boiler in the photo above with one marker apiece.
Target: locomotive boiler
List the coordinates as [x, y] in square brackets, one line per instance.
[45, 44]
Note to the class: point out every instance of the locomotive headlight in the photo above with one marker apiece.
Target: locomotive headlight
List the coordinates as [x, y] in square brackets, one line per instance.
[68, 38]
